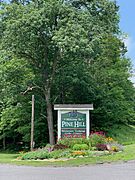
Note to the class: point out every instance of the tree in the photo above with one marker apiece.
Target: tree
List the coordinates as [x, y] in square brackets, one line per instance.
[114, 93]
[46, 33]
[59, 38]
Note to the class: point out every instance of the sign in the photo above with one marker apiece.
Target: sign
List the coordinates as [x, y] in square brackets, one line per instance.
[73, 124]
[73, 120]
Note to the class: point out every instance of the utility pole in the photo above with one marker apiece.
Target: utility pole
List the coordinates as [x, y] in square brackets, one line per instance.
[32, 124]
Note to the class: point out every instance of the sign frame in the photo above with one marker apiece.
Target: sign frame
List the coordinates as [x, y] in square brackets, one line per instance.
[80, 108]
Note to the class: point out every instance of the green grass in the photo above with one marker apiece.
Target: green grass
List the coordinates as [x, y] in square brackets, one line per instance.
[127, 154]
[123, 134]
[7, 158]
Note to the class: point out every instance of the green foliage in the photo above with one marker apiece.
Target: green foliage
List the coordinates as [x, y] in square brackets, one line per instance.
[44, 154]
[101, 157]
[70, 142]
[49, 147]
[113, 103]
[80, 147]
[57, 154]
[124, 134]
[66, 153]
[96, 139]
[71, 53]
[36, 155]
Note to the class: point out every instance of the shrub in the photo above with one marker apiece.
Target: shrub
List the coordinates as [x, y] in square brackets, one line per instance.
[59, 146]
[49, 147]
[70, 142]
[29, 155]
[97, 139]
[109, 140]
[56, 154]
[98, 133]
[80, 147]
[43, 155]
[35, 155]
[64, 141]
[66, 153]
[101, 147]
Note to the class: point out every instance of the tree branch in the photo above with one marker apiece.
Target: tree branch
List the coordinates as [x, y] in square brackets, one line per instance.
[30, 88]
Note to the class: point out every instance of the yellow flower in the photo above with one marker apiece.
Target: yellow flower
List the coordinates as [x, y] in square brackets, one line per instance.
[109, 139]
[78, 153]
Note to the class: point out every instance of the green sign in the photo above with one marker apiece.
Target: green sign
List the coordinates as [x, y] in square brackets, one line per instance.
[73, 124]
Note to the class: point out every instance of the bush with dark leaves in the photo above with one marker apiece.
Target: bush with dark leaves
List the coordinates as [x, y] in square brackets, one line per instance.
[59, 146]
[101, 147]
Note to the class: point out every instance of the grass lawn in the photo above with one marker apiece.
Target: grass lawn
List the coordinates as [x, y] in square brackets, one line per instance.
[124, 134]
[127, 154]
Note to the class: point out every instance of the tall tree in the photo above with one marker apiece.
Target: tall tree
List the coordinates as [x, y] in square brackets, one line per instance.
[114, 93]
[54, 36]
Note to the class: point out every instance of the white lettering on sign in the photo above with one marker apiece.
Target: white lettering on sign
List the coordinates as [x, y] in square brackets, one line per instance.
[79, 124]
[67, 124]
[74, 124]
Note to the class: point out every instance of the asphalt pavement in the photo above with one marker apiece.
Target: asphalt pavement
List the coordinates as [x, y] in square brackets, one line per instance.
[121, 171]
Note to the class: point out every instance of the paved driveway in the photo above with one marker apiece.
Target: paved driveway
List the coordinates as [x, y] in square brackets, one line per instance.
[123, 171]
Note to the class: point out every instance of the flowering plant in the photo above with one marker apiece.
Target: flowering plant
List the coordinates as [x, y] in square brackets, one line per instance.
[109, 140]
[102, 133]
[97, 138]
[78, 153]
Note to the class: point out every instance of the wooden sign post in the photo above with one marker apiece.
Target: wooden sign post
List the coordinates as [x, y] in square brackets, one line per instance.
[32, 124]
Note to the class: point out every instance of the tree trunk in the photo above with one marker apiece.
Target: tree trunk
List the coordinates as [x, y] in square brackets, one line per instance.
[49, 118]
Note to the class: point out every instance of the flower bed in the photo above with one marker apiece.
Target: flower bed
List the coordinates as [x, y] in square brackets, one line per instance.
[96, 145]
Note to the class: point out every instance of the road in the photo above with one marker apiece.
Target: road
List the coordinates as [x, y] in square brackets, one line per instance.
[123, 171]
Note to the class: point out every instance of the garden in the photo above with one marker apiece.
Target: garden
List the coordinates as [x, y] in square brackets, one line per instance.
[71, 148]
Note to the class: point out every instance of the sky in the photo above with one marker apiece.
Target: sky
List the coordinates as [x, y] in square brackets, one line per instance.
[127, 25]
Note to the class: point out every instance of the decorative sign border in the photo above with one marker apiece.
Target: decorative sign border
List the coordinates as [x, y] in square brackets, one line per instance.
[86, 129]
[73, 110]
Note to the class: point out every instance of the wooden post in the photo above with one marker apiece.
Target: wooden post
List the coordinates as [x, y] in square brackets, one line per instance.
[32, 124]
[4, 142]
